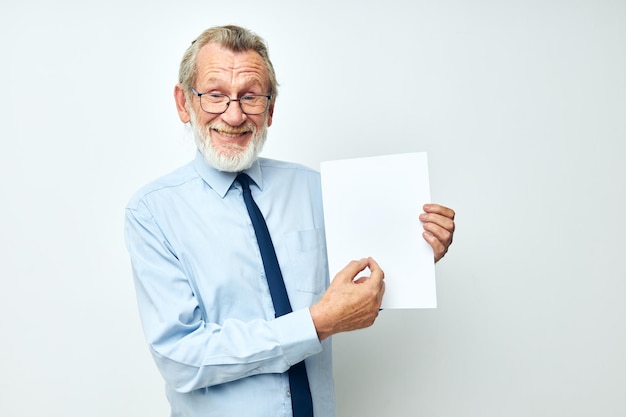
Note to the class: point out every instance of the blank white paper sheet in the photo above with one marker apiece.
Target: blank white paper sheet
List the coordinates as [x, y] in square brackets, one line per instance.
[371, 208]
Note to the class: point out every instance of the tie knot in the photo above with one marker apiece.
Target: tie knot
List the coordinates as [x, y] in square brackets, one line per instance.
[244, 180]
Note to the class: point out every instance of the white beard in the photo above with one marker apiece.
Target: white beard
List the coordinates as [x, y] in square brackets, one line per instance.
[234, 159]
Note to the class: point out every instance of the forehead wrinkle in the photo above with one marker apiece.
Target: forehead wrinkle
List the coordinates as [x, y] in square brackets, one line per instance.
[221, 66]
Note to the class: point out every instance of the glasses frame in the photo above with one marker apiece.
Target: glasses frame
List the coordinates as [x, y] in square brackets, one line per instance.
[268, 96]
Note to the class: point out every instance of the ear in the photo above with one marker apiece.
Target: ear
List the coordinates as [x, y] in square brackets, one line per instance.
[270, 115]
[181, 103]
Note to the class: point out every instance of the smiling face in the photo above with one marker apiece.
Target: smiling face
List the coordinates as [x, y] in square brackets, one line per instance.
[232, 140]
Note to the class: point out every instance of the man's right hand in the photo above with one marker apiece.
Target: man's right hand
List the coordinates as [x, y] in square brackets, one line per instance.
[350, 303]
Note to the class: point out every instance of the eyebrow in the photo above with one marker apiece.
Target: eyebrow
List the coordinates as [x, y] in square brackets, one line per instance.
[214, 85]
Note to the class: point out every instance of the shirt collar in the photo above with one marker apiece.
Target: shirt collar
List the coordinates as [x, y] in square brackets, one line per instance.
[221, 181]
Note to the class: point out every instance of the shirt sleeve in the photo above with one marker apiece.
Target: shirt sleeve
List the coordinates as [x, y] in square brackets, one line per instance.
[190, 352]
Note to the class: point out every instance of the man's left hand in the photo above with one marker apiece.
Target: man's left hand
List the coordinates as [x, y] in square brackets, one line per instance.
[438, 228]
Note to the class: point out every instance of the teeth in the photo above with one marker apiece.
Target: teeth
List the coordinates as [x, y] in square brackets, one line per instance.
[231, 134]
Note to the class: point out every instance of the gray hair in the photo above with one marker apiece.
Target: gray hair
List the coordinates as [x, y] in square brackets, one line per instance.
[234, 38]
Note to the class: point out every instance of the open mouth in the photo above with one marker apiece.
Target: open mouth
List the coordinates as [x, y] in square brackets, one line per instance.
[232, 133]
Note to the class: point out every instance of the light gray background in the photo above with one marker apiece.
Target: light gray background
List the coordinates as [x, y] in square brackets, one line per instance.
[521, 106]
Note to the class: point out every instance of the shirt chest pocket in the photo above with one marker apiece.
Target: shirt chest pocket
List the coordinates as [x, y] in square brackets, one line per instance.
[308, 267]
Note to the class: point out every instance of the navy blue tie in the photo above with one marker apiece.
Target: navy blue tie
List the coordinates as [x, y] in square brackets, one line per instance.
[301, 401]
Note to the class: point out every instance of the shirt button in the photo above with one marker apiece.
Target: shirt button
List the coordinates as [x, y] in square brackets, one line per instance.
[288, 393]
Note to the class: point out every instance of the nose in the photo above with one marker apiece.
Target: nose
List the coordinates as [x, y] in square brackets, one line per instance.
[233, 114]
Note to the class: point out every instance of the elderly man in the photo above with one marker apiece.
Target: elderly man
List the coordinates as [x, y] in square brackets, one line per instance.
[238, 320]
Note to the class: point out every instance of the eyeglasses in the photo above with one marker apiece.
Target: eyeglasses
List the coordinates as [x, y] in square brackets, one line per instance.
[215, 103]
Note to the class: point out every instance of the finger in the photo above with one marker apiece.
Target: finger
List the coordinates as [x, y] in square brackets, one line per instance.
[376, 272]
[439, 249]
[433, 241]
[375, 269]
[438, 220]
[442, 234]
[350, 271]
[439, 209]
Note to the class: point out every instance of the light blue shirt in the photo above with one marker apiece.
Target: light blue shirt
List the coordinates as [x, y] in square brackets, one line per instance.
[203, 299]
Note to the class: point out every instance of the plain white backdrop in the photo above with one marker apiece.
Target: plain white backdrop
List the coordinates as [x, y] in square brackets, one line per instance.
[521, 106]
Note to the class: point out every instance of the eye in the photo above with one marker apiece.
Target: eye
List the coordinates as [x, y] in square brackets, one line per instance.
[251, 98]
[214, 97]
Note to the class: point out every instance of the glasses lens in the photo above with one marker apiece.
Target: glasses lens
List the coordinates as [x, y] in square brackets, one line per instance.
[214, 103]
[253, 104]
[218, 103]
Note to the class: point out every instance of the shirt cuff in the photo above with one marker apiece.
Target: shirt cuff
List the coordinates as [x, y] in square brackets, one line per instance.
[297, 335]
